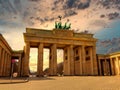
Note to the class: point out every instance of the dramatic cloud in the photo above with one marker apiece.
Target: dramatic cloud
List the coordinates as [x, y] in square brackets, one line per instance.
[108, 46]
[98, 23]
[79, 4]
[8, 6]
[91, 15]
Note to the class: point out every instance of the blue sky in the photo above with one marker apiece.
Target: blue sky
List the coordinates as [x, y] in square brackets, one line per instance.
[113, 31]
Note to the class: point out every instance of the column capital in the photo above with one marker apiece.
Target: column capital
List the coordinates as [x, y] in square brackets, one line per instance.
[27, 42]
[83, 46]
[40, 45]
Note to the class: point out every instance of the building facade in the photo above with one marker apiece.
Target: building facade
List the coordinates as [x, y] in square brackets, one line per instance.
[6, 57]
[109, 64]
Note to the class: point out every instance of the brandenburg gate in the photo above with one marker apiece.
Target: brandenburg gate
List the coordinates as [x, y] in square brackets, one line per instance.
[79, 51]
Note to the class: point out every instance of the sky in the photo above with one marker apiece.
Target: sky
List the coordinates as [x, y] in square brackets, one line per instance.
[111, 32]
[99, 17]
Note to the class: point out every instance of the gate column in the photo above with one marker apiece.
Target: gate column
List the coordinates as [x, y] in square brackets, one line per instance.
[53, 60]
[26, 60]
[68, 60]
[71, 59]
[40, 60]
[83, 60]
[91, 60]
[80, 55]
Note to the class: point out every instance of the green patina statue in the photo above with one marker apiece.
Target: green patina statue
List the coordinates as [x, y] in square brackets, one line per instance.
[58, 25]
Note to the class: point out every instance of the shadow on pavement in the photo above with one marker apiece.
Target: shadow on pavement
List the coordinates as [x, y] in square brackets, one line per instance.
[40, 78]
[8, 80]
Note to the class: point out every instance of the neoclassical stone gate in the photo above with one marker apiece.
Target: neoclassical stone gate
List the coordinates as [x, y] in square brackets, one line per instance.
[79, 54]
[79, 51]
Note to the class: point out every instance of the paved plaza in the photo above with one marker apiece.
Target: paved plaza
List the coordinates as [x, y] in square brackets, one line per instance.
[67, 83]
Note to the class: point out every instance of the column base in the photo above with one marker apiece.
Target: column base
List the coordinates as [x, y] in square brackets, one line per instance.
[40, 75]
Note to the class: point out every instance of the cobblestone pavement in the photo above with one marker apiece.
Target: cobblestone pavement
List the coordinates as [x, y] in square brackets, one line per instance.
[67, 83]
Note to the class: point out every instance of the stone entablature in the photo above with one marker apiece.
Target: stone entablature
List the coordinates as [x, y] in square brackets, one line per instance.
[59, 37]
[57, 33]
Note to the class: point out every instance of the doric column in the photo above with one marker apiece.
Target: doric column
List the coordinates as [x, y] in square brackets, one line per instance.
[91, 59]
[95, 62]
[105, 67]
[5, 62]
[0, 54]
[19, 66]
[22, 64]
[50, 63]
[26, 60]
[6, 69]
[80, 55]
[40, 60]
[115, 65]
[0, 58]
[83, 59]
[53, 60]
[71, 59]
[66, 66]
[8, 65]
[118, 71]
[2, 62]
[112, 68]
[100, 71]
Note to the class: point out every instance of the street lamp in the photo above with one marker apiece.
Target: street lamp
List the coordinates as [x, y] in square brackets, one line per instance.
[13, 61]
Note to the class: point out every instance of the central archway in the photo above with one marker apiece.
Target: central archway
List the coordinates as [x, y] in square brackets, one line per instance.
[33, 61]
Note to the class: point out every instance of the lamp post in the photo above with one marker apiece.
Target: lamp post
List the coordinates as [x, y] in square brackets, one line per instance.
[13, 61]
